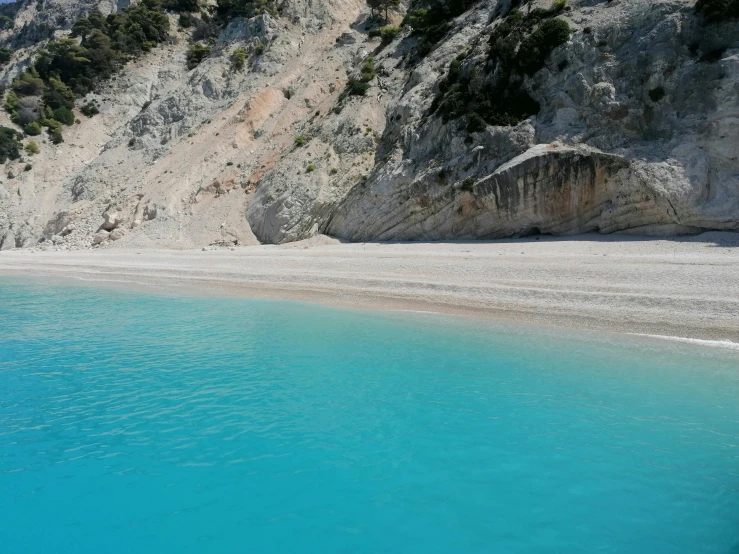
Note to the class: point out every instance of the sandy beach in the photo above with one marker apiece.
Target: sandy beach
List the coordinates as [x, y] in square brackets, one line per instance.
[685, 287]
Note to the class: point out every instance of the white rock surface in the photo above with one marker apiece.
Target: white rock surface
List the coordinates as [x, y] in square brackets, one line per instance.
[191, 158]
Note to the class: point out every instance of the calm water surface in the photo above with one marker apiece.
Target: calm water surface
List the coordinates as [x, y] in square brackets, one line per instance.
[137, 423]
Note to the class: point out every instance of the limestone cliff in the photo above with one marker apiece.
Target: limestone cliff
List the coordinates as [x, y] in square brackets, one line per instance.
[636, 129]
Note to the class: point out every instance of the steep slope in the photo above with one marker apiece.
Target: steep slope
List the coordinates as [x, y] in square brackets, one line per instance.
[637, 130]
[641, 127]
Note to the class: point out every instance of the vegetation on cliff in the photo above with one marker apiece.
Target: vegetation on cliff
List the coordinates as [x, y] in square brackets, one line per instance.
[44, 94]
[226, 10]
[491, 91]
[10, 145]
[716, 11]
[431, 20]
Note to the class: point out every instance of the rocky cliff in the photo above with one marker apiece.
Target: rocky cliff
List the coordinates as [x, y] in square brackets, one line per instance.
[630, 124]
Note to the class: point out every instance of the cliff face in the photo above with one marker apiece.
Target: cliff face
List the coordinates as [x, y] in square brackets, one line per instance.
[642, 136]
[637, 131]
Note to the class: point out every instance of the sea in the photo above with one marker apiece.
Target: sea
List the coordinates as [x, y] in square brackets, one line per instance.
[136, 421]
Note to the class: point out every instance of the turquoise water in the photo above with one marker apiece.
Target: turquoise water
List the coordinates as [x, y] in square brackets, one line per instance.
[137, 423]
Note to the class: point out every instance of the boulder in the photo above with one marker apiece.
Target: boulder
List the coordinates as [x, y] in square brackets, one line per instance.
[111, 220]
[100, 237]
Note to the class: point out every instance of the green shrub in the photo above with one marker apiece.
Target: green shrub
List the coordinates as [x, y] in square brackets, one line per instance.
[196, 53]
[28, 167]
[715, 11]
[359, 87]
[58, 95]
[185, 20]
[10, 145]
[238, 59]
[259, 49]
[368, 70]
[32, 148]
[310, 169]
[55, 130]
[388, 34]
[468, 184]
[535, 48]
[32, 129]
[64, 115]
[334, 171]
[89, 109]
[226, 10]
[519, 45]
[66, 68]
[5, 55]
[299, 141]
[56, 136]
[29, 84]
[5, 22]
[11, 103]
[355, 87]
[188, 6]
[430, 20]
[475, 123]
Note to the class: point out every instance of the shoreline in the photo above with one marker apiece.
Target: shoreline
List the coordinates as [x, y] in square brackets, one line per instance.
[682, 288]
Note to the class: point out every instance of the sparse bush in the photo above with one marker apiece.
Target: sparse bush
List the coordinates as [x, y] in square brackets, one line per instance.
[355, 87]
[28, 167]
[33, 129]
[430, 21]
[535, 48]
[259, 49]
[5, 55]
[238, 59]
[310, 169]
[196, 53]
[55, 132]
[32, 148]
[388, 34]
[475, 123]
[188, 6]
[368, 70]
[299, 141]
[467, 184]
[10, 145]
[89, 109]
[334, 171]
[225, 10]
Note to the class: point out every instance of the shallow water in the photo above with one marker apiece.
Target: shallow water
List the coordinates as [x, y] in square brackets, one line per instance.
[132, 422]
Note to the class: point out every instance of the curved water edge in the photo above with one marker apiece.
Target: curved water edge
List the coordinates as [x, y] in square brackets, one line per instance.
[189, 424]
[500, 320]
